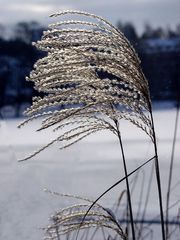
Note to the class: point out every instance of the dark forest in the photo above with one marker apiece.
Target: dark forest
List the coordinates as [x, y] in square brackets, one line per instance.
[158, 49]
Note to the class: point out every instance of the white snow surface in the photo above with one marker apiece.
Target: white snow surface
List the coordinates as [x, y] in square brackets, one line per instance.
[86, 169]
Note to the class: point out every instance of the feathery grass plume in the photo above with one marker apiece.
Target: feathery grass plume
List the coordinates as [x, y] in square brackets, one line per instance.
[66, 221]
[91, 78]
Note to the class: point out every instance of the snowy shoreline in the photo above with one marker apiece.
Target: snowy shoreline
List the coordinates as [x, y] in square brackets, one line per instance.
[94, 162]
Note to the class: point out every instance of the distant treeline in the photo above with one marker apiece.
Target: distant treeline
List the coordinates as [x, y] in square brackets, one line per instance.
[159, 50]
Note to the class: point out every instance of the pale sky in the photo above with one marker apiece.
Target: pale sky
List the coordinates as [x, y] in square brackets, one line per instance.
[156, 12]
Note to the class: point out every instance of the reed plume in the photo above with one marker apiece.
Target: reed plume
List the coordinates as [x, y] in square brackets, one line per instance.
[66, 221]
[91, 78]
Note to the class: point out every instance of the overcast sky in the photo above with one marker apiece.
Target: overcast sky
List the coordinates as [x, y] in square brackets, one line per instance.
[155, 12]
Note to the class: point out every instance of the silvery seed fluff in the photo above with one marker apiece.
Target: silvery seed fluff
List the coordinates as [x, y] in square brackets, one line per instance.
[67, 221]
[91, 78]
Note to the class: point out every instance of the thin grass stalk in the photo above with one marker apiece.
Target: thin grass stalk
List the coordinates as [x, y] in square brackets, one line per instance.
[146, 202]
[176, 226]
[171, 167]
[117, 204]
[141, 195]
[127, 216]
[155, 218]
[133, 182]
[127, 182]
[157, 175]
[114, 185]
[93, 234]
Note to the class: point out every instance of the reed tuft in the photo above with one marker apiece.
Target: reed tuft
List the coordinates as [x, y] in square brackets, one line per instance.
[68, 221]
[91, 78]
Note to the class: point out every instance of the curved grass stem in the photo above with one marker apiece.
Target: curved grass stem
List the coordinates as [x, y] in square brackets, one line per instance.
[158, 176]
[171, 168]
[127, 181]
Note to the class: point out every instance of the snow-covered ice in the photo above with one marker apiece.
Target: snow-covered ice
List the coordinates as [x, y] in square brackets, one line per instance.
[86, 169]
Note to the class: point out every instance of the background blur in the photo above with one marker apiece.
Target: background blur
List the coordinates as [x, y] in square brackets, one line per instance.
[153, 27]
[90, 167]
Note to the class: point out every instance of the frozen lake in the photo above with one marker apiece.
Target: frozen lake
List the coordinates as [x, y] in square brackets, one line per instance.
[86, 169]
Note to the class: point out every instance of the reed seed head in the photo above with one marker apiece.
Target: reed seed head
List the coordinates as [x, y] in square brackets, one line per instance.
[69, 221]
[91, 78]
